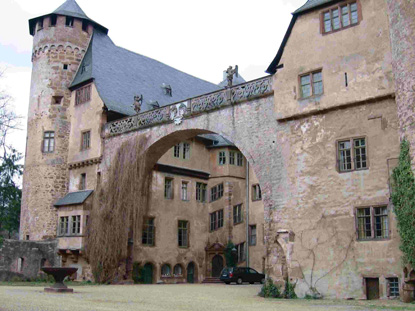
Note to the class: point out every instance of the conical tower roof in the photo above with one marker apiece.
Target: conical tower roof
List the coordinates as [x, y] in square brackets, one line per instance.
[68, 8]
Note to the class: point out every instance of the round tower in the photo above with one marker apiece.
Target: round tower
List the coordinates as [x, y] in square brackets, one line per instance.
[60, 40]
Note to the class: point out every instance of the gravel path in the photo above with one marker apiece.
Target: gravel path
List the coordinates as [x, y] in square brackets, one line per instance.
[171, 297]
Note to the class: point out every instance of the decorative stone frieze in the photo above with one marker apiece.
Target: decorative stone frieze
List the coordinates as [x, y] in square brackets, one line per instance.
[229, 96]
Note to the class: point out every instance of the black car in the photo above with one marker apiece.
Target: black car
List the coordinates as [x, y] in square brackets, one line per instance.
[240, 275]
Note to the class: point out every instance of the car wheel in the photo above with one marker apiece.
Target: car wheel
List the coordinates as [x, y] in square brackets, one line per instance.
[227, 283]
[263, 281]
[239, 281]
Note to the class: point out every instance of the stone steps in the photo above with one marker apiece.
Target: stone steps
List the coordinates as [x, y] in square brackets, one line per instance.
[211, 280]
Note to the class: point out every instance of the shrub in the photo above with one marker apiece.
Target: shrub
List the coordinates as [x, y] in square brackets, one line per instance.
[289, 292]
[137, 273]
[269, 290]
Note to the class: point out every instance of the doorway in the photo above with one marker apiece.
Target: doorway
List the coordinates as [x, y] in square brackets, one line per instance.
[148, 273]
[372, 288]
[217, 266]
[190, 273]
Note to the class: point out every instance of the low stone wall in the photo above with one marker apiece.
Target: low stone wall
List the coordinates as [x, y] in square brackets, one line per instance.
[24, 258]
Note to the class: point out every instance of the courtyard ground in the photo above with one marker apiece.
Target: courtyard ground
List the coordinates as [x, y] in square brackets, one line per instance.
[171, 297]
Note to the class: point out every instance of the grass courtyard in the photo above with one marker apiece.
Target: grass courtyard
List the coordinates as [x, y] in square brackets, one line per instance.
[171, 297]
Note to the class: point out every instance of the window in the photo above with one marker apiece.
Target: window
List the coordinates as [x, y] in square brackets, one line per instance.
[168, 188]
[53, 19]
[69, 21]
[84, 25]
[86, 140]
[186, 151]
[183, 233]
[252, 235]
[216, 192]
[83, 95]
[185, 196]
[222, 157]
[178, 270]
[393, 287]
[237, 214]
[339, 17]
[372, 223]
[349, 159]
[57, 100]
[256, 193]
[201, 192]
[64, 225]
[76, 225]
[65, 66]
[311, 84]
[40, 24]
[166, 270]
[216, 220]
[232, 157]
[240, 251]
[148, 232]
[176, 151]
[239, 159]
[82, 182]
[48, 142]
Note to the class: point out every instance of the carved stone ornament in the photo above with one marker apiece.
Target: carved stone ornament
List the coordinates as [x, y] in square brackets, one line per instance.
[177, 112]
[138, 101]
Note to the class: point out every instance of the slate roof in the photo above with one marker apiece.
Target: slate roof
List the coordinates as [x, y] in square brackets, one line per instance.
[74, 198]
[120, 75]
[68, 8]
[216, 141]
[311, 4]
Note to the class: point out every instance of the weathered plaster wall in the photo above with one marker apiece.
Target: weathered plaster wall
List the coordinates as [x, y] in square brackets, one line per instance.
[45, 177]
[402, 36]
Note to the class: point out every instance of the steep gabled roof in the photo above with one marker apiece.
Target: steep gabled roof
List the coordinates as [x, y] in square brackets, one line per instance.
[68, 8]
[308, 6]
[120, 75]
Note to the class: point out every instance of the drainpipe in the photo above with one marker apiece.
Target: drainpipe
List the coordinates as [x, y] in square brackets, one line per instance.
[247, 213]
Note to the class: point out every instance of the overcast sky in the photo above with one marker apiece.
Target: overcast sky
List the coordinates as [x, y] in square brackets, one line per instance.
[201, 38]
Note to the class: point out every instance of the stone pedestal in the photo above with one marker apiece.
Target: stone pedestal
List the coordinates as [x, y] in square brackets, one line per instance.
[59, 275]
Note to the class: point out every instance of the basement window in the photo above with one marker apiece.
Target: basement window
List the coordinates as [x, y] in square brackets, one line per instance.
[393, 287]
[69, 21]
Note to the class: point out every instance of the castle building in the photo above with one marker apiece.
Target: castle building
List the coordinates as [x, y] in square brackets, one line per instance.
[293, 168]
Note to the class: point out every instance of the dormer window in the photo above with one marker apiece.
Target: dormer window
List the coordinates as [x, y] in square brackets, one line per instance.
[339, 17]
[69, 21]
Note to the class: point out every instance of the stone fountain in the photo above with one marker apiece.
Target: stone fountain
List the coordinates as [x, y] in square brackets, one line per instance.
[59, 275]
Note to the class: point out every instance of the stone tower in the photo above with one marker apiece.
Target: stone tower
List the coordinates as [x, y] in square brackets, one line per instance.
[60, 40]
[402, 33]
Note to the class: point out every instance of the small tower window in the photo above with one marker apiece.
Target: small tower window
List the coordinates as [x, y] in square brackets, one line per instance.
[53, 19]
[65, 66]
[85, 25]
[57, 100]
[69, 21]
[40, 24]
[82, 182]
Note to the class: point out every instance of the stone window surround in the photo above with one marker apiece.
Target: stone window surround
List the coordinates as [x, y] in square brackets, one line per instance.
[353, 163]
[216, 220]
[201, 192]
[310, 73]
[222, 157]
[389, 280]
[256, 193]
[238, 217]
[85, 145]
[168, 188]
[216, 192]
[50, 137]
[186, 233]
[372, 223]
[251, 241]
[339, 5]
[153, 231]
[69, 225]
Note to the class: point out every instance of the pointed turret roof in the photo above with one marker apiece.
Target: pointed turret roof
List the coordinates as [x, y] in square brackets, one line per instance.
[68, 8]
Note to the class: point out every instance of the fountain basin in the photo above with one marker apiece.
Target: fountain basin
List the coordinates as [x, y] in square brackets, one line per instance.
[59, 274]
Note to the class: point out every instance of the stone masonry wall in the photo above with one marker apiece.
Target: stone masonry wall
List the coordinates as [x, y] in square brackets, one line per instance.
[402, 34]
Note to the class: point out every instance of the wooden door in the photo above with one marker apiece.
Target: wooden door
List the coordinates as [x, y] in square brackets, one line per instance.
[372, 288]
[217, 266]
[148, 273]
[190, 273]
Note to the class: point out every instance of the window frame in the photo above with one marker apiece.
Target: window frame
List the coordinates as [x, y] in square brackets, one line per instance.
[149, 229]
[373, 223]
[241, 252]
[218, 221]
[176, 150]
[186, 151]
[221, 157]
[238, 217]
[232, 157]
[239, 159]
[63, 226]
[49, 139]
[75, 225]
[82, 181]
[185, 194]
[339, 6]
[250, 235]
[216, 192]
[83, 94]
[183, 232]
[83, 145]
[168, 196]
[201, 192]
[256, 193]
[311, 74]
[166, 275]
[351, 140]
[388, 286]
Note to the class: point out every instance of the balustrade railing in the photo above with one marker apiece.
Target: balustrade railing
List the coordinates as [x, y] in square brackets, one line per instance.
[192, 107]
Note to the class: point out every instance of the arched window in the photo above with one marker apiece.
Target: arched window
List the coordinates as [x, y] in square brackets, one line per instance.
[178, 270]
[166, 270]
